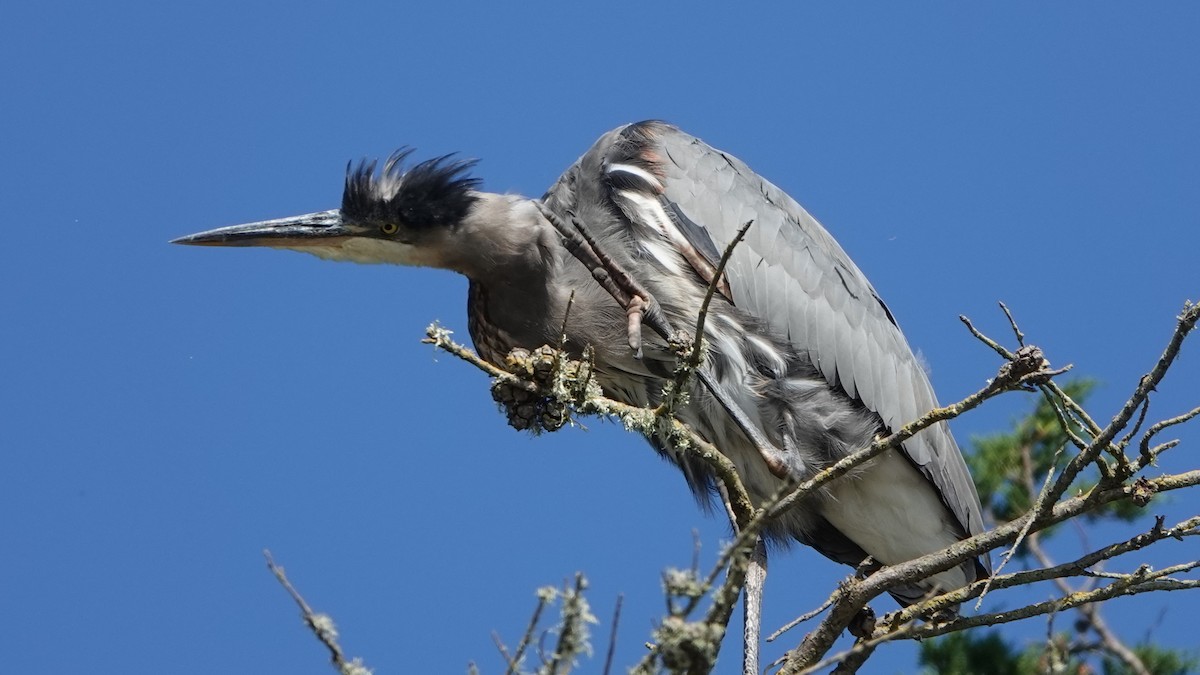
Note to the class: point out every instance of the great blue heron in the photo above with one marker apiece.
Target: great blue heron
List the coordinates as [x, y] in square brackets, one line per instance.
[806, 364]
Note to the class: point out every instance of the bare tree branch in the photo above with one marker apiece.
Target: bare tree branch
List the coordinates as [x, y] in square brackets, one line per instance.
[612, 636]
[1089, 613]
[514, 662]
[321, 625]
[1185, 324]
[1148, 454]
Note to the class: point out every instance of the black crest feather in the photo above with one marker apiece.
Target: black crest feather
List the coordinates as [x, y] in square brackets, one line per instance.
[433, 193]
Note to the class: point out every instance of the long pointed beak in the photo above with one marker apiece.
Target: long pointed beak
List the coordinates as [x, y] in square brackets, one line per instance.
[310, 229]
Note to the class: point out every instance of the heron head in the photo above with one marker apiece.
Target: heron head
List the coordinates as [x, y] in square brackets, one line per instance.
[401, 215]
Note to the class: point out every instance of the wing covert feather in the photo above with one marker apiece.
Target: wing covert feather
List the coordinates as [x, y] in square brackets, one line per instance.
[793, 275]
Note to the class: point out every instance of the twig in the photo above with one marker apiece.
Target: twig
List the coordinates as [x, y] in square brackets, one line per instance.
[1059, 398]
[1147, 453]
[500, 647]
[1137, 426]
[321, 625]
[1013, 322]
[697, 347]
[1090, 613]
[634, 418]
[562, 332]
[1137, 583]
[572, 630]
[1013, 375]
[1077, 410]
[514, 663]
[725, 598]
[807, 616]
[1026, 366]
[1058, 406]
[1077, 567]
[856, 658]
[1004, 353]
[612, 638]
[913, 630]
[439, 337]
[856, 593]
[901, 625]
[1040, 504]
[1185, 324]
[695, 354]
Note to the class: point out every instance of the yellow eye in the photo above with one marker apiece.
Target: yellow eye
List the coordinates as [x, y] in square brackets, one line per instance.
[389, 228]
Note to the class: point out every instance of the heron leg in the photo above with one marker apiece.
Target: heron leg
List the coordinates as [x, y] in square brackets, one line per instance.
[756, 577]
[638, 303]
[770, 454]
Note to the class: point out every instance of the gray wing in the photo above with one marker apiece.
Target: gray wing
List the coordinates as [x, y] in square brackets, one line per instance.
[790, 273]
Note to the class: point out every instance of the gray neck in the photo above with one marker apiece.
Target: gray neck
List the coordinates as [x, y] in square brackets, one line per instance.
[503, 241]
[511, 254]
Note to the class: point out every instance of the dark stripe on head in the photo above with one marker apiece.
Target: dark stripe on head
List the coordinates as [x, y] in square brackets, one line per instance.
[434, 193]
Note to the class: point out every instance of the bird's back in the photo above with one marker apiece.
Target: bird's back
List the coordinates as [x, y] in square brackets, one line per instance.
[798, 337]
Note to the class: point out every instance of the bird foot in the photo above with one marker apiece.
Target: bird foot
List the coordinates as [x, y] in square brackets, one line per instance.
[867, 567]
[640, 307]
[634, 312]
[863, 624]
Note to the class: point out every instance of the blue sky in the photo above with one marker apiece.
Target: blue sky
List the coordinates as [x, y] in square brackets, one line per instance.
[170, 412]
